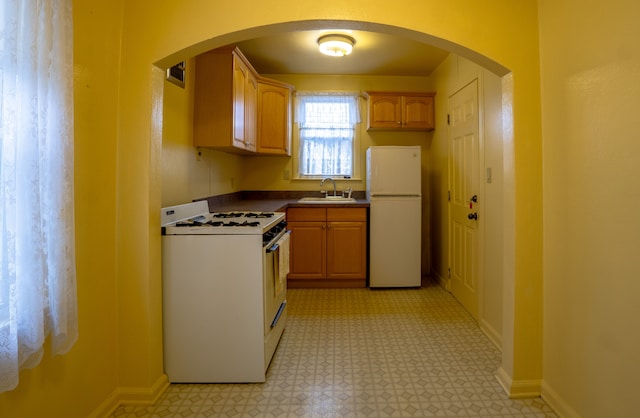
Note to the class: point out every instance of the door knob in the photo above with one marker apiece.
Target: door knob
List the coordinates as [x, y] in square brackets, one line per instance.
[473, 215]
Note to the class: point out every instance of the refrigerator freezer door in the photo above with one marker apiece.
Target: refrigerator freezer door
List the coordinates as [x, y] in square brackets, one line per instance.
[393, 171]
[395, 242]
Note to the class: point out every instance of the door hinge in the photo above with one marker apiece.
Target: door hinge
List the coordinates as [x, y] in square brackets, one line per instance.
[449, 195]
[449, 273]
[448, 119]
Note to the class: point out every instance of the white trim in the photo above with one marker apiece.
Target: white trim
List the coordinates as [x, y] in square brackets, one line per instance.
[357, 172]
[131, 396]
[491, 333]
[504, 379]
[445, 283]
[557, 403]
[518, 389]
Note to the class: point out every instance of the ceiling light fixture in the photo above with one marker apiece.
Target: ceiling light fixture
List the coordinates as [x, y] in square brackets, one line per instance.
[336, 45]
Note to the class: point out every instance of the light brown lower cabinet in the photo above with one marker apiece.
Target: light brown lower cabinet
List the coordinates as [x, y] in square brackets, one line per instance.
[328, 247]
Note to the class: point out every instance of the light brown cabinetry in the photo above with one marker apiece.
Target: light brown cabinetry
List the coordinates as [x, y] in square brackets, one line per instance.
[274, 117]
[225, 101]
[328, 247]
[401, 111]
[236, 110]
[245, 103]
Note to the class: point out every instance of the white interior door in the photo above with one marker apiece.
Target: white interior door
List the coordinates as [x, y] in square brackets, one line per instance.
[464, 183]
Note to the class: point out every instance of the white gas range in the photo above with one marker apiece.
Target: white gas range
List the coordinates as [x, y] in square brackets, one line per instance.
[195, 219]
[224, 292]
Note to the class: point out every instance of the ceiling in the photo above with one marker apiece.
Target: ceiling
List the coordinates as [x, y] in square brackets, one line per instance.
[374, 53]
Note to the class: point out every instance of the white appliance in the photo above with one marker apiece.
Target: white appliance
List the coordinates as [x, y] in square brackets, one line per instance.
[394, 194]
[224, 293]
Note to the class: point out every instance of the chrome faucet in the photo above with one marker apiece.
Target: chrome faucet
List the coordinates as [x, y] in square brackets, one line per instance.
[332, 181]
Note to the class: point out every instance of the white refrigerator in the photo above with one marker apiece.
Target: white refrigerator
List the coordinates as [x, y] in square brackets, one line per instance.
[395, 237]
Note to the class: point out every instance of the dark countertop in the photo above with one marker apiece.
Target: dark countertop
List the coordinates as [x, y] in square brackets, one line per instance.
[276, 201]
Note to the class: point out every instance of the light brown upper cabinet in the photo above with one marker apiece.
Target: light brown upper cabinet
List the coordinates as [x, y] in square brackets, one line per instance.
[225, 101]
[274, 117]
[236, 110]
[393, 111]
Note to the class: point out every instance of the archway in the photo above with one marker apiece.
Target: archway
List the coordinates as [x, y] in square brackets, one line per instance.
[457, 49]
[255, 32]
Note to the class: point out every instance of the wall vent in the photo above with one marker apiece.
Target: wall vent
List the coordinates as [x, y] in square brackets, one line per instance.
[176, 74]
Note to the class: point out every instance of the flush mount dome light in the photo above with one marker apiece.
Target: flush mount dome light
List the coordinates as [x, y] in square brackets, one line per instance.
[336, 45]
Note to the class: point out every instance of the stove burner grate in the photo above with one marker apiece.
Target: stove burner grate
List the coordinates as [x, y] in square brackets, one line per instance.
[228, 215]
[259, 215]
[245, 223]
[190, 223]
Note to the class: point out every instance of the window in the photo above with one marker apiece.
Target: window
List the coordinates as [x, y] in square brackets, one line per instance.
[327, 126]
[37, 247]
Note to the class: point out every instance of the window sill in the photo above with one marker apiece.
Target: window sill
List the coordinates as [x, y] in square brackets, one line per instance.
[319, 178]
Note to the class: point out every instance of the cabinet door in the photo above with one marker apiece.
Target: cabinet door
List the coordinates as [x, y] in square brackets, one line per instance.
[385, 112]
[307, 250]
[274, 119]
[250, 112]
[418, 112]
[346, 250]
[395, 111]
[213, 100]
[240, 81]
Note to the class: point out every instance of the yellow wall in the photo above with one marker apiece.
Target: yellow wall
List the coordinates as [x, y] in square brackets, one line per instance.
[76, 383]
[189, 173]
[590, 93]
[118, 134]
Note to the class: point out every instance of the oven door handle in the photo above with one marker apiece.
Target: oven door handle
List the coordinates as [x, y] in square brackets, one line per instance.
[275, 246]
[277, 317]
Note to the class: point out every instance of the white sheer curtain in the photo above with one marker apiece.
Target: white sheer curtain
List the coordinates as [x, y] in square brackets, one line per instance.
[37, 248]
[326, 122]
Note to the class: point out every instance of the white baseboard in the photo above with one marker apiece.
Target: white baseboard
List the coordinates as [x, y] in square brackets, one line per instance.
[557, 403]
[131, 396]
[444, 282]
[485, 327]
[518, 388]
[491, 333]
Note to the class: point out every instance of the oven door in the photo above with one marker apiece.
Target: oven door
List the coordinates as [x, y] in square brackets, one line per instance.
[276, 269]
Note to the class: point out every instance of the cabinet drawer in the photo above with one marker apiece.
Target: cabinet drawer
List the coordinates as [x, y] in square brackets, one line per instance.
[347, 214]
[306, 214]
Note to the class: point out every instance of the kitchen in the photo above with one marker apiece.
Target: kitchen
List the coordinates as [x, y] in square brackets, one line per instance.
[355, 182]
[190, 173]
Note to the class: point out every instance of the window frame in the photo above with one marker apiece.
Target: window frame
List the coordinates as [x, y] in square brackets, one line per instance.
[355, 145]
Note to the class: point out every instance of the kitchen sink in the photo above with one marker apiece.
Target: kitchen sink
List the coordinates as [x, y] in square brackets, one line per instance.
[328, 199]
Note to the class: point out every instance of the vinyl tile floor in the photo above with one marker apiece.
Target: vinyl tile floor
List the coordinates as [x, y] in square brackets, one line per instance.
[364, 353]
